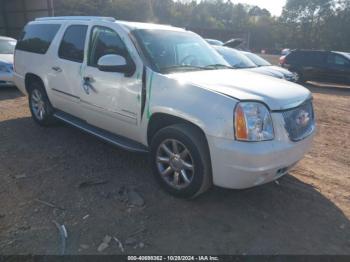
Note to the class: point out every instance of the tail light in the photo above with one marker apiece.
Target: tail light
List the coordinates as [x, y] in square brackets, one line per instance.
[282, 60]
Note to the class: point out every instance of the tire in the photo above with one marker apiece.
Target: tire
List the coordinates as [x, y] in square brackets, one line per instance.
[39, 104]
[301, 79]
[197, 179]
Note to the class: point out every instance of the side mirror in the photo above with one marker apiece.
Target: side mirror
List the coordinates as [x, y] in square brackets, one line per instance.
[114, 63]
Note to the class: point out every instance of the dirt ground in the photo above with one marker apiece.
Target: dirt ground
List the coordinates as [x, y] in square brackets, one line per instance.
[41, 171]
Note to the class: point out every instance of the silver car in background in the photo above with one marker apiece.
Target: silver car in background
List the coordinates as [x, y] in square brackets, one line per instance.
[238, 60]
[267, 66]
[7, 48]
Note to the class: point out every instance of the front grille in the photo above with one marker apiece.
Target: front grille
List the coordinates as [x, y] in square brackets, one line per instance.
[300, 121]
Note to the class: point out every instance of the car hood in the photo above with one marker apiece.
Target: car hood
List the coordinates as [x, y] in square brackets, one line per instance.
[279, 69]
[245, 85]
[266, 71]
[7, 58]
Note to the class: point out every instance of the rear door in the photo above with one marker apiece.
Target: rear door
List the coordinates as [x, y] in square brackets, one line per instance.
[65, 69]
[338, 69]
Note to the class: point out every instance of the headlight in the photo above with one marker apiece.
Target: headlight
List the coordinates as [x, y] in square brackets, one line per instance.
[253, 122]
[290, 77]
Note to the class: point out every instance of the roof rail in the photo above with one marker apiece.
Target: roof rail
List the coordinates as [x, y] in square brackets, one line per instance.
[84, 18]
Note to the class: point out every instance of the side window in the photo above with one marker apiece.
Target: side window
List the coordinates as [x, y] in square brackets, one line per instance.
[73, 43]
[318, 58]
[337, 60]
[37, 38]
[105, 41]
[294, 57]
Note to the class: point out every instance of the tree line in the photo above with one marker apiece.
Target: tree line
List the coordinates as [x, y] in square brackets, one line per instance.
[304, 24]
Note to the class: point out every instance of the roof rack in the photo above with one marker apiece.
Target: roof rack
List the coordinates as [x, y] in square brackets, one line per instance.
[84, 18]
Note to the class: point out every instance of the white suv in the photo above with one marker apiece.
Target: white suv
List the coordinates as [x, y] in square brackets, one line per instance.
[147, 87]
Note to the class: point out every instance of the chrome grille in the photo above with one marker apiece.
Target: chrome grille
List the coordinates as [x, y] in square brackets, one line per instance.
[300, 121]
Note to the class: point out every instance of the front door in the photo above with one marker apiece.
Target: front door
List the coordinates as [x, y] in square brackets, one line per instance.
[338, 69]
[110, 99]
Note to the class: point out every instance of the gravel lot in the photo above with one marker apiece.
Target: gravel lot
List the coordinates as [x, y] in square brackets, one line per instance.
[46, 176]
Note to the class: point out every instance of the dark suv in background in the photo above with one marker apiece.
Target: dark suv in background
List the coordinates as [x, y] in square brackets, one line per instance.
[324, 66]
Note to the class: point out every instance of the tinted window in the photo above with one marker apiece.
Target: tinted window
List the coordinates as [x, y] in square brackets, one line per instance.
[307, 57]
[293, 57]
[73, 43]
[337, 60]
[105, 41]
[314, 58]
[37, 38]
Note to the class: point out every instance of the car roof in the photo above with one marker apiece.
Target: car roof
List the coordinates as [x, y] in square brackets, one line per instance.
[310, 51]
[7, 38]
[137, 25]
[126, 24]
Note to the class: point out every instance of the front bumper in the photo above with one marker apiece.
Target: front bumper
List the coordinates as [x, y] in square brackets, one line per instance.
[240, 165]
[6, 79]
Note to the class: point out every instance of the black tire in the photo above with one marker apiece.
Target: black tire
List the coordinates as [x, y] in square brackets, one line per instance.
[195, 142]
[47, 118]
[301, 79]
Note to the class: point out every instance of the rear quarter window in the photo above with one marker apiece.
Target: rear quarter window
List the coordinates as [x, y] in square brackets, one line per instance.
[37, 38]
[315, 58]
[294, 57]
[73, 43]
[306, 58]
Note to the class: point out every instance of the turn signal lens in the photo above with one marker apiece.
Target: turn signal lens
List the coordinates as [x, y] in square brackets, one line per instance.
[240, 124]
[253, 122]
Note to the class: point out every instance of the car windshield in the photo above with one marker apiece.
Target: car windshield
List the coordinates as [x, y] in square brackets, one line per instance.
[235, 58]
[259, 61]
[347, 55]
[7, 46]
[169, 51]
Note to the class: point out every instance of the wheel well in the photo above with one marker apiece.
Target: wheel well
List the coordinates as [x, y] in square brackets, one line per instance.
[161, 120]
[30, 78]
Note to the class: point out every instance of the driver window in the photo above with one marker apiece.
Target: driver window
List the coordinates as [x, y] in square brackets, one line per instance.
[337, 60]
[104, 41]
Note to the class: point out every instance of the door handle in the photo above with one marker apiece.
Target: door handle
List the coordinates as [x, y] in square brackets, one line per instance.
[57, 69]
[87, 80]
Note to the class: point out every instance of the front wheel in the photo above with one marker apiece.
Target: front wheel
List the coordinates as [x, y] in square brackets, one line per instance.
[40, 106]
[180, 161]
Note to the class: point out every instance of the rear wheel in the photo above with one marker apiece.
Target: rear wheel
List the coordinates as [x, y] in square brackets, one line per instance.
[39, 104]
[180, 161]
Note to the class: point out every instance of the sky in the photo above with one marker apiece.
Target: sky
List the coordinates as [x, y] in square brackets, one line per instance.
[274, 6]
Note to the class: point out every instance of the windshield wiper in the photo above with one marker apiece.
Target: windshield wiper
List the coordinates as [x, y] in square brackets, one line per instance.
[217, 66]
[191, 67]
[183, 67]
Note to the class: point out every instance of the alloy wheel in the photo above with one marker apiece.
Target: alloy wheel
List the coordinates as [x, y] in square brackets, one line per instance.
[175, 164]
[38, 104]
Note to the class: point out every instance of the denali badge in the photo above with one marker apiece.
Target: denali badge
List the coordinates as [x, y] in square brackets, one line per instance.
[303, 118]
